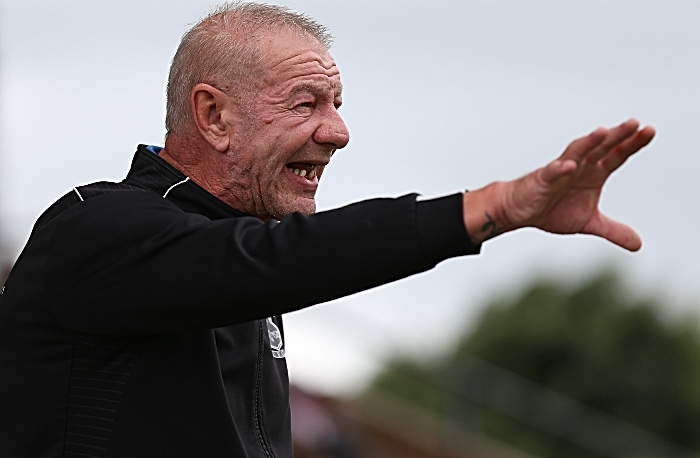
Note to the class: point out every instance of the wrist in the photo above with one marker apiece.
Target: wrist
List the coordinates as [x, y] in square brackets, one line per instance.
[483, 212]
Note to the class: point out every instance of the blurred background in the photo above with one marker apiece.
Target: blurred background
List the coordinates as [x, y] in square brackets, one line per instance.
[540, 346]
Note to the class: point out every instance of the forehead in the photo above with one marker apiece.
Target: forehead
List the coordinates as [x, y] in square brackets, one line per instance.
[294, 59]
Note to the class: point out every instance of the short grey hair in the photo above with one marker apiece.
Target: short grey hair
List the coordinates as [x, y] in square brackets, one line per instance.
[223, 50]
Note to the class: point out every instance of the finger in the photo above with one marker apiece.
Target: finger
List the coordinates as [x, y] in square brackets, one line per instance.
[556, 170]
[584, 145]
[624, 150]
[614, 137]
[597, 143]
[618, 233]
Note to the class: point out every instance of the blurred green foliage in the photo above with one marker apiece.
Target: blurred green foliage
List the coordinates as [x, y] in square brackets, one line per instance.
[594, 343]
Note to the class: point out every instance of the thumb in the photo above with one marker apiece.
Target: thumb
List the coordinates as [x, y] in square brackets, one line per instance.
[614, 231]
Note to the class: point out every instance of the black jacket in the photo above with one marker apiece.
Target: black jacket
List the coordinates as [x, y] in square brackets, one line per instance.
[134, 325]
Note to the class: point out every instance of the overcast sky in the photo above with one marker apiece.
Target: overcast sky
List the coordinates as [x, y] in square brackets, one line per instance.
[439, 96]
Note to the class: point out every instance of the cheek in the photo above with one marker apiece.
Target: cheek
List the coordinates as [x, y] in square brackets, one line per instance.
[292, 131]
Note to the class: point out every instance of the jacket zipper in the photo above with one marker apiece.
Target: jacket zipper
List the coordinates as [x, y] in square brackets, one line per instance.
[258, 382]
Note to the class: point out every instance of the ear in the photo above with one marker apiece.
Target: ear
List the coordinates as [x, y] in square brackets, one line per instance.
[208, 105]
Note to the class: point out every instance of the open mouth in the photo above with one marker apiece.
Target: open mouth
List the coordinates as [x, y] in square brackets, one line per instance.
[303, 170]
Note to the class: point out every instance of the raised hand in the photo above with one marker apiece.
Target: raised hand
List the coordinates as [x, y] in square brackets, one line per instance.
[561, 197]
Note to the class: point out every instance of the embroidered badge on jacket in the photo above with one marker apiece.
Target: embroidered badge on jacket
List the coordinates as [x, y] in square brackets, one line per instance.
[276, 343]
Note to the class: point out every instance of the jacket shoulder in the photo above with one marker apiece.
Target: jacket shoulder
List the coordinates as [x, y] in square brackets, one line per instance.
[103, 187]
[81, 194]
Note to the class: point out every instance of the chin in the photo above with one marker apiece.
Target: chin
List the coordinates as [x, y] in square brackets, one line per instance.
[307, 209]
[305, 206]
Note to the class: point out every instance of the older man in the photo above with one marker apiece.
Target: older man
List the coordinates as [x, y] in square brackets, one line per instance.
[143, 317]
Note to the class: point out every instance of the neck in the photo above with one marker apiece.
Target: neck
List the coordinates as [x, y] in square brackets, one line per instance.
[203, 165]
[194, 160]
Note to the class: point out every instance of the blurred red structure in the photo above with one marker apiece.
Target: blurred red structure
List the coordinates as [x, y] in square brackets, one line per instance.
[380, 427]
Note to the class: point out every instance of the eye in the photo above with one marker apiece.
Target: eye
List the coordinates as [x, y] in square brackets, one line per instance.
[304, 105]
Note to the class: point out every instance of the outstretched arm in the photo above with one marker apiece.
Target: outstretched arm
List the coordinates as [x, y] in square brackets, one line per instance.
[561, 197]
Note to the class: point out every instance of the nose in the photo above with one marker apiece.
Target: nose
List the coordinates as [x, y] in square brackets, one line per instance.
[332, 129]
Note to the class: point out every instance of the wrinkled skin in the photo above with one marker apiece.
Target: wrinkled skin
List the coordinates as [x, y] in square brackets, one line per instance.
[292, 119]
[244, 147]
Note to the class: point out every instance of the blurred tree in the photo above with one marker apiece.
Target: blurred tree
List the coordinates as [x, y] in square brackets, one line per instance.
[594, 344]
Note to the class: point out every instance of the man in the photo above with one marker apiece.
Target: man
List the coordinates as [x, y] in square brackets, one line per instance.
[143, 317]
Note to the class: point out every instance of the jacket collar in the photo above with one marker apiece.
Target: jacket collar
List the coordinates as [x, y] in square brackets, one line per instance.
[150, 172]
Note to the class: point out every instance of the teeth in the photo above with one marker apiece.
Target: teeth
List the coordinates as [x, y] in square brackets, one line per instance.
[309, 175]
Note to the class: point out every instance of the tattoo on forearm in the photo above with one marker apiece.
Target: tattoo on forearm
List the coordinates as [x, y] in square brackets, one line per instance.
[490, 227]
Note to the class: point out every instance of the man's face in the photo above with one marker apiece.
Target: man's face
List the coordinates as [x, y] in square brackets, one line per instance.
[290, 129]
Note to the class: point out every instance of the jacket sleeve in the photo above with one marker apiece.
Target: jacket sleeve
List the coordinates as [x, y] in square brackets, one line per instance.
[131, 262]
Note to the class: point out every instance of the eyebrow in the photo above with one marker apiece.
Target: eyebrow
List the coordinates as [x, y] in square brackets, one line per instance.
[317, 89]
